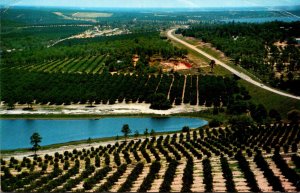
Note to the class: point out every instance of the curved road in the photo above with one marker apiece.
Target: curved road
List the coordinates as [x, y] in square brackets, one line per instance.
[239, 74]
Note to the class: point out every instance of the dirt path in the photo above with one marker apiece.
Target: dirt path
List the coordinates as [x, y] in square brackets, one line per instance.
[198, 185]
[238, 177]
[197, 86]
[159, 178]
[122, 179]
[183, 90]
[234, 71]
[219, 184]
[260, 178]
[161, 76]
[170, 87]
[287, 185]
[177, 181]
[137, 183]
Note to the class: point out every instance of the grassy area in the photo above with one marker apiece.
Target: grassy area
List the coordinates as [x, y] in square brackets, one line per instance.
[218, 55]
[259, 96]
[270, 100]
[200, 59]
[207, 115]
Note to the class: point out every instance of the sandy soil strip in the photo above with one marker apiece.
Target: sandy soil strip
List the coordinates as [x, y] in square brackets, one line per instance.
[72, 177]
[238, 177]
[177, 182]
[136, 185]
[101, 181]
[101, 109]
[198, 185]
[219, 184]
[288, 186]
[161, 76]
[162, 157]
[160, 177]
[170, 87]
[290, 162]
[183, 90]
[262, 182]
[197, 85]
[122, 179]
[80, 185]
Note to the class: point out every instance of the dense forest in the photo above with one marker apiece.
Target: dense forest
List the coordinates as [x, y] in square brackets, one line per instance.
[253, 46]
[57, 88]
[28, 38]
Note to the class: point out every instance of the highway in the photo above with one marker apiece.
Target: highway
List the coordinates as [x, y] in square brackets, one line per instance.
[234, 71]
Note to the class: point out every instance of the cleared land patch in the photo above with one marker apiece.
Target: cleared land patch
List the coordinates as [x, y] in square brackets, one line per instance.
[91, 14]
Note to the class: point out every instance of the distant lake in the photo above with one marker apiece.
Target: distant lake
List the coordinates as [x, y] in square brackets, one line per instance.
[16, 133]
[263, 19]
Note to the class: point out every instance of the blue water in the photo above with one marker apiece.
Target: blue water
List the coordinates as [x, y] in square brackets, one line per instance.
[263, 19]
[16, 133]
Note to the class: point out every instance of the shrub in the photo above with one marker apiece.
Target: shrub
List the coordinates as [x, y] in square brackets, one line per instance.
[215, 123]
[207, 174]
[240, 122]
[99, 175]
[273, 180]
[187, 177]
[66, 165]
[97, 161]
[131, 178]
[146, 184]
[294, 116]
[227, 174]
[159, 101]
[168, 177]
[185, 129]
[44, 167]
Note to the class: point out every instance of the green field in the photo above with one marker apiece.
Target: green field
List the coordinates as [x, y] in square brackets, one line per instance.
[88, 64]
[271, 100]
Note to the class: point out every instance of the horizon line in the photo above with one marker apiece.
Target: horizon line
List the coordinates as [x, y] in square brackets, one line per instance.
[208, 7]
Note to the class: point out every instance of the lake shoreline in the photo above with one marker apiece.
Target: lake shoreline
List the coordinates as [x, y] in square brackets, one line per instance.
[50, 149]
[73, 116]
[61, 131]
[81, 110]
[196, 114]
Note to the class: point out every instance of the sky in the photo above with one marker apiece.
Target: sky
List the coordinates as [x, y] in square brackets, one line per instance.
[151, 3]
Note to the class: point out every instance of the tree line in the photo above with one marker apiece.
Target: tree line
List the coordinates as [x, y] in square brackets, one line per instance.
[57, 88]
